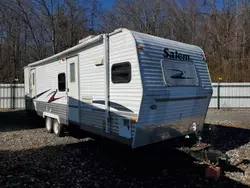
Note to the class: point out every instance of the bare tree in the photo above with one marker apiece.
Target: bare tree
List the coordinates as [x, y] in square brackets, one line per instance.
[32, 30]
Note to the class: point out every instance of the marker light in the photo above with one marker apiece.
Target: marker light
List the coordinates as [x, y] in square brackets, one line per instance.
[133, 119]
[140, 47]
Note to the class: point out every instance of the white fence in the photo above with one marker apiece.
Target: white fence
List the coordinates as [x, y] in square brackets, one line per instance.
[225, 95]
[230, 95]
[12, 96]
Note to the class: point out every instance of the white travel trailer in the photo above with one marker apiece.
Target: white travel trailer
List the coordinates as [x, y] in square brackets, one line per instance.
[128, 86]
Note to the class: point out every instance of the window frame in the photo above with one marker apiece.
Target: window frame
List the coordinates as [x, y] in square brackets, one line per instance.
[130, 73]
[167, 84]
[58, 83]
[33, 78]
[70, 75]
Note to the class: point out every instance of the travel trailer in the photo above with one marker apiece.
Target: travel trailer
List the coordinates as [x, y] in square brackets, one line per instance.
[128, 86]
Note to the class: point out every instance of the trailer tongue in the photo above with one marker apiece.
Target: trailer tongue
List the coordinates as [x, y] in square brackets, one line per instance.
[203, 152]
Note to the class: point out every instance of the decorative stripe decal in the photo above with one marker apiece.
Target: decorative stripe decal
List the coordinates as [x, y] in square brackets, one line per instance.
[179, 99]
[50, 93]
[113, 105]
[40, 94]
[73, 106]
[52, 98]
[231, 97]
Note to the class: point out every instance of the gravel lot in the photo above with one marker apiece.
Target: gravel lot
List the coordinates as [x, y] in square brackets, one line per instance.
[30, 157]
[229, 117]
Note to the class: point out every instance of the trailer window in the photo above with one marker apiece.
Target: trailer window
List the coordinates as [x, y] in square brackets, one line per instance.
[61, 82]
[121, 73]
[179, 73]
[33, 79]
[72, 72]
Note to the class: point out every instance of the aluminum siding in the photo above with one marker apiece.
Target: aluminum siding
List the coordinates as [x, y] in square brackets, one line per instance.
[54, 108]
[122, 48]
[47, 79]
[91, 85]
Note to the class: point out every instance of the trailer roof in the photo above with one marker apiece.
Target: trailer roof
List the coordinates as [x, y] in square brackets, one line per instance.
[91, 40]
[68, 51]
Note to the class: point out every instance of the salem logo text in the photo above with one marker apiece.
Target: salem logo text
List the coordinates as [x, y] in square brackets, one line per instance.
[175, 55]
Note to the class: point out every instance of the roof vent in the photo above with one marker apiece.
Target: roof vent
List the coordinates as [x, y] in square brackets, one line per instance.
[86, 39]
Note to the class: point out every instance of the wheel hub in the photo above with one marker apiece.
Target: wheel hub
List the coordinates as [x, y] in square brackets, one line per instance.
[48, 124]
[56, 127]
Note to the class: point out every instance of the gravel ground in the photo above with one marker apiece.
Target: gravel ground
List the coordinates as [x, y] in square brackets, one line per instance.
[30, 157]
[229, 117]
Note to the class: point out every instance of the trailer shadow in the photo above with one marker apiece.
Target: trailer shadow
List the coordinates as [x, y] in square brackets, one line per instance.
[225, 138]
[220, 137]
[102, 163]
[15, 120]
[161, 160]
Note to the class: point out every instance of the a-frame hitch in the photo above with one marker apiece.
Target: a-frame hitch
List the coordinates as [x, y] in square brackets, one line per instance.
[204, 153]
[208, 156]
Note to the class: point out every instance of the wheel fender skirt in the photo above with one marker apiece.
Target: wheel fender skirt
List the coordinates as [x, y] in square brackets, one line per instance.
[54, 116]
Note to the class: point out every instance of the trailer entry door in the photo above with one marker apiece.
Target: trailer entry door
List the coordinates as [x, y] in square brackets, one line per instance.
[73, 89]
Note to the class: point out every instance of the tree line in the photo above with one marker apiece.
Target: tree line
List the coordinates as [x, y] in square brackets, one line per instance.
[33, 30]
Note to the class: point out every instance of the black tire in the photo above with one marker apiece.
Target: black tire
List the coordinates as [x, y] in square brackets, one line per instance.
[58, 128]
[49, 124]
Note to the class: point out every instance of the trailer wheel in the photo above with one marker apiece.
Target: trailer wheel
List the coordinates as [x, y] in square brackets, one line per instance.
[57, 128]
[48, 124]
